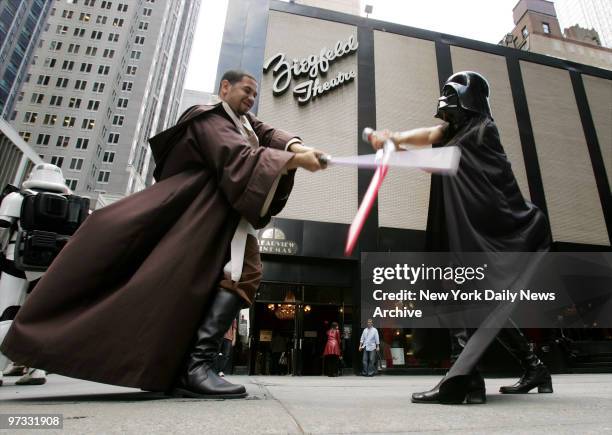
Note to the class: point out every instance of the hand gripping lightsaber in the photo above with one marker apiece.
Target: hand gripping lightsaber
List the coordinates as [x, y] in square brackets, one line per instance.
[439, 160]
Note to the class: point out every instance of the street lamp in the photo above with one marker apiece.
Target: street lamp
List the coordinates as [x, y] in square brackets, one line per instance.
[368, 10]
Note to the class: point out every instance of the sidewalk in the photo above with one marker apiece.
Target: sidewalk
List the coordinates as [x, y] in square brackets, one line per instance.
[581, 404]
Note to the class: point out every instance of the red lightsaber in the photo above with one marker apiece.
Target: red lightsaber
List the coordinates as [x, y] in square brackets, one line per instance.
[371, 193]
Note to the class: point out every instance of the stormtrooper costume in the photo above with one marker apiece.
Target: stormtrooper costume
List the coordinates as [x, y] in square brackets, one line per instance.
[35, 223]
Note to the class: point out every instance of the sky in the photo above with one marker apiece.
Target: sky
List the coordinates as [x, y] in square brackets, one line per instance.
[483, 20]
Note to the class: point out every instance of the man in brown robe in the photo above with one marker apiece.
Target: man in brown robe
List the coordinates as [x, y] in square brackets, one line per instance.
[144, 291]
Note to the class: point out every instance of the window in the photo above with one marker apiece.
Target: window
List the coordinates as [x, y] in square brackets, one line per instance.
[50, 119]
[106, 5]
[143, 25]
[546, 28]
[101, 19]
[62, 141]
[71, 183]
[98, 87]
[98, 152]
[56, 100]
[69, 121]
[37, 98]
[88, 124]
[139, 40]
[122, 7]
[131, 70]
[86, 67]
[57, 161]
[147, 12]
[61, 30]
[76, 164]
[135, 54]
[113, 138]
[103, 70]
[91, 51]
[68, 65]
[62, 82]
[78, 31]
[25, 135]
[118, 22]
[113, 37]
[74, 103]
[126, 86]
[55, 46]
[103, 176]
[30, 117]
[118, 120]
[108, 53]
[82, 143]
[90, 2]
[122, 103]
[80, 85]
[43, 80]
[85, 17]
[67, 14]
[109, 157]
[43, 139]
[93, 105]
[50, 61]
[96, 34]
[525, 32]
[74, 48]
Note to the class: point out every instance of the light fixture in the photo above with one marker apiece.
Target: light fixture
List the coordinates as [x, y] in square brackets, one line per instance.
[286, 311]
[368, 10]
[307, 309]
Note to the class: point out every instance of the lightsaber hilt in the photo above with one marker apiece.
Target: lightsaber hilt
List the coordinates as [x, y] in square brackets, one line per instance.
[324, 159]
[367, 133]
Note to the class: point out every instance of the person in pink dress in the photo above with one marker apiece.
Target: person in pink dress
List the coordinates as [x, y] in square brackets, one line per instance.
[332, 352]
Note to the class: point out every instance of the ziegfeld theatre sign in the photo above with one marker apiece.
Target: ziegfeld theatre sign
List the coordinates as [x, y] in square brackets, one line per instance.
[314, 68]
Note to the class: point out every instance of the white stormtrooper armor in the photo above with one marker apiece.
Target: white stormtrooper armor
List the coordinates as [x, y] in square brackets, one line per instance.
[35, 223]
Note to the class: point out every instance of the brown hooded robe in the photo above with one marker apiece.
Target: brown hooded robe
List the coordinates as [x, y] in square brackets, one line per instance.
[122, 301]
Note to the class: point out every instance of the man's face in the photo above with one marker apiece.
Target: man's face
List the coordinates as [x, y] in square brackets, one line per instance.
[369, 323]
[240, 96]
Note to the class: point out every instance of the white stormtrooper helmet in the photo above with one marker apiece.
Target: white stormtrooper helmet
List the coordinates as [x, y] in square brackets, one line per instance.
[48, 177]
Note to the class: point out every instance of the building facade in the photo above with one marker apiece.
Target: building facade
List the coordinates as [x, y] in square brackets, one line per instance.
[590, 14]
[107, 76]
[21, 22]
[16, 157]
[537, 29]
[554, 124]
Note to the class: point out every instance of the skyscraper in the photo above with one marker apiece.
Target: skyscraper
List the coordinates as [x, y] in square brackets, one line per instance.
[107, 75]
[595, 14]
[21, 22]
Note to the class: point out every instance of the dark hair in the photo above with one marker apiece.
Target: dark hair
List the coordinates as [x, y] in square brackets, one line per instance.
[233, 76]
[334, 324]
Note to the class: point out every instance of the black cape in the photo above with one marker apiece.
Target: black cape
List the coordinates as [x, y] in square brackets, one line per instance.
[481, 209]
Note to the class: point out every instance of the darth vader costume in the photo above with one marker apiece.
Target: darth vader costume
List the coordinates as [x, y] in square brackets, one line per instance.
[481, 209]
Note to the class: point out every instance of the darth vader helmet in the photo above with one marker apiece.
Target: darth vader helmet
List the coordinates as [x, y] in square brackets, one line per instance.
[464, 91]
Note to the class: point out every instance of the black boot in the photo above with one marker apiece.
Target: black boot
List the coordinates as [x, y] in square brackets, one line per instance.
[470, 389]
[535, 373]
[200, 378]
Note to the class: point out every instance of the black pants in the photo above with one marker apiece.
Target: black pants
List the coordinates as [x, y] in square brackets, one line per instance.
[331, 365]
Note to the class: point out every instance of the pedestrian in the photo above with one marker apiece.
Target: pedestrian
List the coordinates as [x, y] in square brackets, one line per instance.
[480, 209]
[224, 358]
[332, 352]
[145, 290]
[370, 344]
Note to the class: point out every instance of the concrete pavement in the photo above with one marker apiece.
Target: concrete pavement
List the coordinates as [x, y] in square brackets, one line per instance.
[581, 404]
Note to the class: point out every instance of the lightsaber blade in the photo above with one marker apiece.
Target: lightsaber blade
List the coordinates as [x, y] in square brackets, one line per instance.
[369, 197]
[439, 160]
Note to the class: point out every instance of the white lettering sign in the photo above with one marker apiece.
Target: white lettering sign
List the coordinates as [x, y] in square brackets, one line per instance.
[311, 66]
